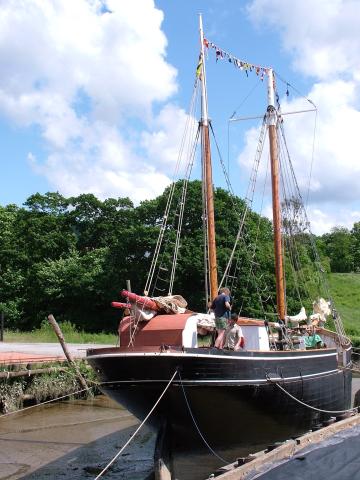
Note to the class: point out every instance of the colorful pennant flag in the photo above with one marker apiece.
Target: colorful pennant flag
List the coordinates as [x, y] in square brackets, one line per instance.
[241, 64]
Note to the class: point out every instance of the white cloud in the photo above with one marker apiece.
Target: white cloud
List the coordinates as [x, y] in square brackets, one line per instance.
[322, 35]
[84, 74]
[103, 163]
[163, 143]
[322, 39]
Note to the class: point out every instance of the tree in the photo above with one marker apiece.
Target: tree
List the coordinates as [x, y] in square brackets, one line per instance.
[99, 223]
[355, 232]
[339, 248]
[72, 256]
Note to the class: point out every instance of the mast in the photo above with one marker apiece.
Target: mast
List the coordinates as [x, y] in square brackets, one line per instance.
[274, 158]
[207, 174]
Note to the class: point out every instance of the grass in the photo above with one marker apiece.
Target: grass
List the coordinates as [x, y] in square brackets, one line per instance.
[345, 290]
[46, 334]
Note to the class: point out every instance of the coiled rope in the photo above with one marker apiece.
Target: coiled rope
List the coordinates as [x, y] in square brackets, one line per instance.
[137, 430]
[354, 410]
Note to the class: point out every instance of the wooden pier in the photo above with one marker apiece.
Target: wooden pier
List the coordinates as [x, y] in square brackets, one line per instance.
[262, 462]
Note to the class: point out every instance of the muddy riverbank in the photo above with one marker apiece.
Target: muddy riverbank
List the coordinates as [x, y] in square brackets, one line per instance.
[73, 440]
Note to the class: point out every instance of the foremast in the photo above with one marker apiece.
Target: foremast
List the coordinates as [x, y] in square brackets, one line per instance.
[207, 175]
[274, 159]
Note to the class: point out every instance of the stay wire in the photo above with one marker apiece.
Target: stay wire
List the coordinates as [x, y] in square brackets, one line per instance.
[171, 193]
[165, 263]
[337, 319]
[137, 430]
[312, 159]
[288, 84]
[181, 215]
[354, 409]
[197, 427]
[290, 239]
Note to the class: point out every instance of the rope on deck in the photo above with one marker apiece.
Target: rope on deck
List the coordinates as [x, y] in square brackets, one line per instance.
[354, 410]
[137, 430]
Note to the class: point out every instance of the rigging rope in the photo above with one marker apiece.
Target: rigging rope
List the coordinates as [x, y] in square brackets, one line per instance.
[47, 401]
[354, 410]
[249, 194]
[290, 213]
[171, 194]
[248, 203]
[181, 213]
[312, 159]
[197, 427]
[295, 90]
[255, 245]
[137, 430]
[336, 317]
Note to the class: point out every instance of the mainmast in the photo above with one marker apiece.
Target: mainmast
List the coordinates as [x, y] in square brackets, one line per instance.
[274, 158]
[207, 174]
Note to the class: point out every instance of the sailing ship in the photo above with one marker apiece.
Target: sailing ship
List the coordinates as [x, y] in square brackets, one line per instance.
[272, 385]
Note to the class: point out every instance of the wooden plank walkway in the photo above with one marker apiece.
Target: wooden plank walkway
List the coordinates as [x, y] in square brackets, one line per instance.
[11, 358]
[24, 353]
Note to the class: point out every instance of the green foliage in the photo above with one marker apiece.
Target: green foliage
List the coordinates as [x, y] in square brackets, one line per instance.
[355, 232]
[345, 289]
[45, 334]
[339, 247]
[72, 256]
[45, 386]
[10, 395]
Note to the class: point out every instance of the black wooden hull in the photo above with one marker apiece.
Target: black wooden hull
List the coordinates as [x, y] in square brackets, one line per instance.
[232, 397]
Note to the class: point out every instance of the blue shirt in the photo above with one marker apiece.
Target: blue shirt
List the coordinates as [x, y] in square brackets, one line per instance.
[219, 307]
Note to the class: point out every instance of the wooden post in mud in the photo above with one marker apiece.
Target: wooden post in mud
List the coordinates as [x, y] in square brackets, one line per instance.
[2, 327]
[163, 453]
[67, 353]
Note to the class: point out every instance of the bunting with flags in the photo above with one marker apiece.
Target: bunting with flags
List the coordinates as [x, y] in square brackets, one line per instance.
[241, 64]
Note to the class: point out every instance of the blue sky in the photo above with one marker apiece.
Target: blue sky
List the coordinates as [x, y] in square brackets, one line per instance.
[93, 94]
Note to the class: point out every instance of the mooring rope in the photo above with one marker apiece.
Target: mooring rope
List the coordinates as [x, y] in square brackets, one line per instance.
[139, 427]
[354, 410]
[47, 401]
[197, 427]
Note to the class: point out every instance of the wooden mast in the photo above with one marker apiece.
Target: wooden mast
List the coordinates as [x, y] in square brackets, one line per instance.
[207, 174]
[274, 158]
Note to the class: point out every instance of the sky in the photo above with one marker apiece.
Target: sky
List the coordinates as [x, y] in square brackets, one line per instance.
[94, 95]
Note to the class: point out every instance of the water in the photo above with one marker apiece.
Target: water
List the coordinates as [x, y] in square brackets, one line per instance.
[73, 440]
[77, 439]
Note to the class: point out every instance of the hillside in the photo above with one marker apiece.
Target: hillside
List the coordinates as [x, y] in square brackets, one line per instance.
[345, 290]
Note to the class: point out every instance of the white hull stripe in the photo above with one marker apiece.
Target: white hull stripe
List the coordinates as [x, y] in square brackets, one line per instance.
[198, 355]
[224, 382]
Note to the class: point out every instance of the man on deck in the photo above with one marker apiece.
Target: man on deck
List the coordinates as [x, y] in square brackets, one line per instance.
[222, 309]
[233, 336]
